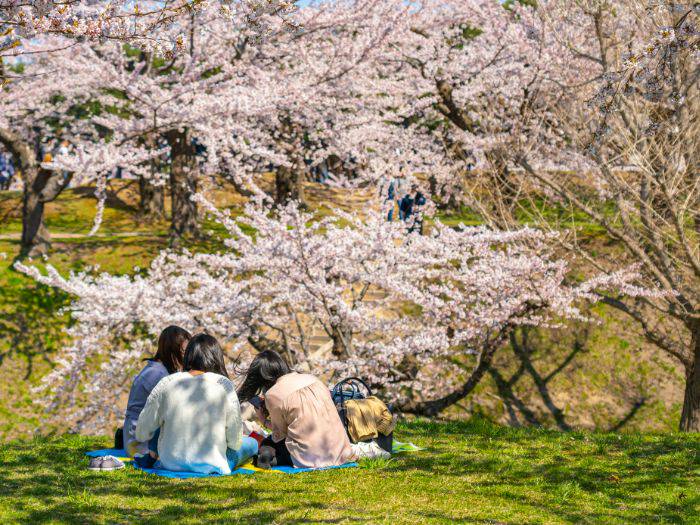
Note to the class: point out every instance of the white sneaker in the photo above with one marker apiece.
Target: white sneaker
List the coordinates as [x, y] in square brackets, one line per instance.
[369, 450]
[105, 463]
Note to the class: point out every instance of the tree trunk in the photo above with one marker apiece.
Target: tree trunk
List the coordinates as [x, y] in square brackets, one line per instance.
[151, 201]
[183, 184]
[289, 186]
[504, 200]
[35, 236]
[40, 187]
[690, 417]
[342, 343]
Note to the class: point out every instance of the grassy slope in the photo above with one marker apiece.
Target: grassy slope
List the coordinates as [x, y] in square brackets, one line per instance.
[472, 472]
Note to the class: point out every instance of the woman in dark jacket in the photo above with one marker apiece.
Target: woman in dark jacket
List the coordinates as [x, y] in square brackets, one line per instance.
[168, 360]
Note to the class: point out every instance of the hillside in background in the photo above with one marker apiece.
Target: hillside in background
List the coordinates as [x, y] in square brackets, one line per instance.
[599, 375]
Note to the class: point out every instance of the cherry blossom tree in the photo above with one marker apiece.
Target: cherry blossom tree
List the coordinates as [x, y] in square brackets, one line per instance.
[324, 68]
[77, 71]
[536, 94]
[602, 121]
[168, 109]
[225, 106]
[468, 82]
[435, 86]
[632, 118]
[175, 108]
[40, 109]
[284, 104]
[399, 308]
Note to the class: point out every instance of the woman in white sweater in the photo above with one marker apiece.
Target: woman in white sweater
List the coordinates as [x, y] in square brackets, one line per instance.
[198, 414]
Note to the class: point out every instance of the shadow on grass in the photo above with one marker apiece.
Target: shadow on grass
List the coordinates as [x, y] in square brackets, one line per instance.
[520, 475]
[113, 199]
[118, 255]
[29, 326]
[628, 471]
[55, 475]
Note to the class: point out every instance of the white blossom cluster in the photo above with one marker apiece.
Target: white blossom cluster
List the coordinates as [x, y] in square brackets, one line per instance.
[139, 23]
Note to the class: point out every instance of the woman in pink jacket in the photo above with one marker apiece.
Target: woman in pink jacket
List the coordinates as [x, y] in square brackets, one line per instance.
[306, 427]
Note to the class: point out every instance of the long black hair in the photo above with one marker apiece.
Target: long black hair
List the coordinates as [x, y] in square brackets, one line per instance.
[171, 347]
[267, 367]
[204, 353]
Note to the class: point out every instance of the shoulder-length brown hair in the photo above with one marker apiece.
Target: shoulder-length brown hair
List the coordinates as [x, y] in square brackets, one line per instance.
[171, 347]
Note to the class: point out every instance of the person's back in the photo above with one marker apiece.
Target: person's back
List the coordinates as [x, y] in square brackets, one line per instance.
[141, 388]
[143, 385]
[302, 412]
[419, 202]
[199, 418]
[168, 358]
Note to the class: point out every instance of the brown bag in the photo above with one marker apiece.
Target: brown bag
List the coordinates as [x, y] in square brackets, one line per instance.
[380, 419]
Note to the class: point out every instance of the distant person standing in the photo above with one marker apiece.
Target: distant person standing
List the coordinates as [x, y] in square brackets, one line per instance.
[419, 202]
[322, 172]
[63, 150]
[406, 207]
[388, 193]
[398, 188]
[7, 171]
[390, 197]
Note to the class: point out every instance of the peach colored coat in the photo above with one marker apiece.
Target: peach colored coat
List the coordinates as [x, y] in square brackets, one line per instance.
[304, 415]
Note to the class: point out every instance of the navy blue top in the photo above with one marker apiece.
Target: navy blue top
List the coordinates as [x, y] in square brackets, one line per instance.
[142, 386]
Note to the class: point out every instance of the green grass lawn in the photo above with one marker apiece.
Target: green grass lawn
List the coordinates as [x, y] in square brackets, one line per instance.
[471, 472]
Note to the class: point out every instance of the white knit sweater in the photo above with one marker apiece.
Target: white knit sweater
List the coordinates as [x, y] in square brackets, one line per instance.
[199, 418]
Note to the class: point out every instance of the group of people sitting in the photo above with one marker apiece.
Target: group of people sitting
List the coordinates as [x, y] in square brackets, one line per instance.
[185, 413]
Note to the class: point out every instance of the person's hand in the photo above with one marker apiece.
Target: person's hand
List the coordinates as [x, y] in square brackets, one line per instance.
[260, 413]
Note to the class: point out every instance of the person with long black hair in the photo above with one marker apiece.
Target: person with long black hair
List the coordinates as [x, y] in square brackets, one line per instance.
[306, 427]
[168, 360]
[198, 414]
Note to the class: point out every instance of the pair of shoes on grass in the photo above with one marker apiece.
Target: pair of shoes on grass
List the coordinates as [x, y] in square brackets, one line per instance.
[369, 450]
[105, 463]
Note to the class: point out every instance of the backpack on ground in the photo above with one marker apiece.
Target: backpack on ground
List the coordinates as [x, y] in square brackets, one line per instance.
[355, 389]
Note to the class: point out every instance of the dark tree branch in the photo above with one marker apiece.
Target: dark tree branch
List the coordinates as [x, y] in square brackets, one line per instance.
[434, 407]
[505, 390]
[523, 353]
[639, 403]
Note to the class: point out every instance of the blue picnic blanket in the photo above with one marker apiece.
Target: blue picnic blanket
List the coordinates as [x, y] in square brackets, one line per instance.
[247, 468]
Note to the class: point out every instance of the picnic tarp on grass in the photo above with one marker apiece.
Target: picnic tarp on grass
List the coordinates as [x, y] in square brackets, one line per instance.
[248, 468]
